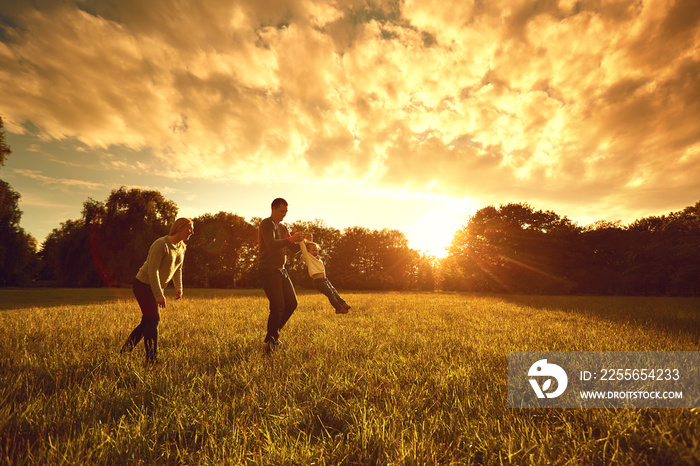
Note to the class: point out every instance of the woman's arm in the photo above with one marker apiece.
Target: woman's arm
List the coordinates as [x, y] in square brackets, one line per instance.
[177, 279]
[155, 257]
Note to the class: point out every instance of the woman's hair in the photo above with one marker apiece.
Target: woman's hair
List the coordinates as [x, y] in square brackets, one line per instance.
[179, 223]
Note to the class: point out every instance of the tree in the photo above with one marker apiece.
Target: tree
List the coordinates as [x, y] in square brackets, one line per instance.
[683, 234]
[123, 229]
[398, 262]
[515, 248]
[110, 242]
[67, 258]
[373, 259]
[353, 264]
[664, 254]
[4, 148]
[18, 257]
[425, 273]
[222, 252]
[327, 239]
[605, 248]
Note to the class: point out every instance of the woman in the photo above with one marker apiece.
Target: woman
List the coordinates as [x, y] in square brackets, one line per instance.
[164, 263]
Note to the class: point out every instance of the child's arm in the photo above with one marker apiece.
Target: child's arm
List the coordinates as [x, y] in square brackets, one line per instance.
[304, 252]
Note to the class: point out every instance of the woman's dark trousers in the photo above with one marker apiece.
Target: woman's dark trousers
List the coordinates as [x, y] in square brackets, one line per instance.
[148, 328]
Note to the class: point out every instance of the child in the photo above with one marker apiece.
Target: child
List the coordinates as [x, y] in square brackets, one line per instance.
[317, 271]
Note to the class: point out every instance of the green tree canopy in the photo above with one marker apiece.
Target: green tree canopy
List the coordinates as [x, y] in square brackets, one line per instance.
[111, 239]
[222, 252]
[514, 248]
[18, 257]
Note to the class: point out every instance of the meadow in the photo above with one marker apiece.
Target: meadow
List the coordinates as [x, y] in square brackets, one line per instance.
[404, 378]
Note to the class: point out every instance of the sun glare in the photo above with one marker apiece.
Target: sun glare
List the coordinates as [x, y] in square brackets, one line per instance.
[433, 233]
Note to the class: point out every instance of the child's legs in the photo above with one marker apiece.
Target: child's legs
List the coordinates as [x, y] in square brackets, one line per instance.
[325, 287]
[335, 292]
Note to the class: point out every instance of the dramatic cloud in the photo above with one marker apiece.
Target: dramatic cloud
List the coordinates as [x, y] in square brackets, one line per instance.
[63, 182]
[564, 102]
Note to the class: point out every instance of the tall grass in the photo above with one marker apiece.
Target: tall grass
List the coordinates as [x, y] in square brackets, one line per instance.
[404, 378]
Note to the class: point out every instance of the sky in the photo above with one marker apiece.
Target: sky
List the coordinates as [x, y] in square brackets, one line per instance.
[408, 114]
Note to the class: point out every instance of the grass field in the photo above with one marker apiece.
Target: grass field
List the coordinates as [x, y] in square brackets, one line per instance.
[405, 378]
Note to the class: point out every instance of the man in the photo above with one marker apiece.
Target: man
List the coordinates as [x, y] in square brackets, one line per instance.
[273, 242]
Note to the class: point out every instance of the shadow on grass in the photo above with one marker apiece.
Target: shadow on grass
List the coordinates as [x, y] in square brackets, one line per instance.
[678, 316]
[23, 298]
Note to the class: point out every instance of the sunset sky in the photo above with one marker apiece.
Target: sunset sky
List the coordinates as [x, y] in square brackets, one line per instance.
[405, 114]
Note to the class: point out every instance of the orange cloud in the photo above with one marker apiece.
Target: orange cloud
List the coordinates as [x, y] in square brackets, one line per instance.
[551, 101]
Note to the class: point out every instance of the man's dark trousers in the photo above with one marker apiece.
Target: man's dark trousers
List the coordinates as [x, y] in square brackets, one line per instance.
[283, 299]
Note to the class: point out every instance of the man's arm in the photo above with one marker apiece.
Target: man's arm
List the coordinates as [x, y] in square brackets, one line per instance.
[267, 235]
[293, 239]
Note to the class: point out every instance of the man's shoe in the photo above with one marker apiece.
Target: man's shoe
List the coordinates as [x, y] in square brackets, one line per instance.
[269, 347]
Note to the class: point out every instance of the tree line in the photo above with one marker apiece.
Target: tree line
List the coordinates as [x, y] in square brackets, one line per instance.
[109, 243]
[516, 249]
[512, 248]
[18, 259]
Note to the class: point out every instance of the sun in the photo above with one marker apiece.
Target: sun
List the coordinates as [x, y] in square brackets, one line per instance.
[433, 233]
